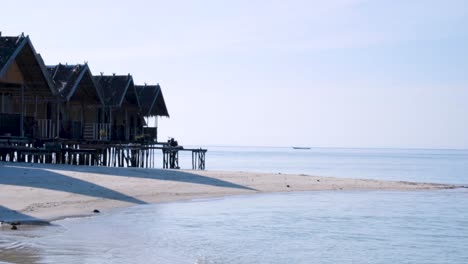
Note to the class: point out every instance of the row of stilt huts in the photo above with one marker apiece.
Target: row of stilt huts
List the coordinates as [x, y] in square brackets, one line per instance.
[64, 114]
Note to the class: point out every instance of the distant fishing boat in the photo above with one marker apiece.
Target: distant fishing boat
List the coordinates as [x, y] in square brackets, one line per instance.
[300, 147]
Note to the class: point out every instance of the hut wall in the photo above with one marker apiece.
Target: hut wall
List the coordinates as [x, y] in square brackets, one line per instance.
[30, 109]
[124, 127]
[10, 101]
[12, 75]
[118, 124]
[6, 103]
[135, 125]
[72, 112]
[80, 113]
[39, 111]
[118, 117]
[16, 104]
[90, 114]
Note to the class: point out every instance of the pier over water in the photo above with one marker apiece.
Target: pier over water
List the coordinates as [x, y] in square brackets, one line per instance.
[139, 155]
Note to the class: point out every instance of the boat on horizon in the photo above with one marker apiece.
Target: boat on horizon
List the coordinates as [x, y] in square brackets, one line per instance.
[301, 147]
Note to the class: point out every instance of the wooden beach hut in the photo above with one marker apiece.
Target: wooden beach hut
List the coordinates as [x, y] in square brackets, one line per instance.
[121, 106]
[152, 106]
[79, 113]
[28, 99]
[63, 114]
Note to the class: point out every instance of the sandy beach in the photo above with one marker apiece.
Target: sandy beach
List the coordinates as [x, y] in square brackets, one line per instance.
[40, 193]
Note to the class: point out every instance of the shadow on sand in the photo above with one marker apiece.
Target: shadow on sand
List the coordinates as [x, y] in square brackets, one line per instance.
[156, 174]
[45, 179]
[48, 176]
[19, 218]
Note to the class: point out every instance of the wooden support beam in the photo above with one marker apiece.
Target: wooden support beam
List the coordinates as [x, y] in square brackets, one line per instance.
[3, 103]
[110, 123]
[82, 119]
[35, 109]
[58, 119]
[127, 124]
[22, 112]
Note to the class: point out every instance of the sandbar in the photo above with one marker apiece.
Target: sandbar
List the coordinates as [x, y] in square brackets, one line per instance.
[41, 193]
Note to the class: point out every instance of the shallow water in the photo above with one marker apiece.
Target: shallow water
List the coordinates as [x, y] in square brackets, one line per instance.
[310, 227]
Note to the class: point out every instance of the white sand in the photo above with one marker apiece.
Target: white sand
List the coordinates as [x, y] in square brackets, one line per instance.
[45, 192]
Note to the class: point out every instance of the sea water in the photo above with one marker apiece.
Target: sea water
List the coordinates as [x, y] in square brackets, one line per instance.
[420, 165]
[308, 227]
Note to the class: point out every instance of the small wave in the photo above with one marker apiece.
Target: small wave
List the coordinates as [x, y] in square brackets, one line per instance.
[13, 245]
[202, 259]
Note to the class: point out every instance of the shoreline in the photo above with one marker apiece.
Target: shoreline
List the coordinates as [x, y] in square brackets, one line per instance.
[37, 194]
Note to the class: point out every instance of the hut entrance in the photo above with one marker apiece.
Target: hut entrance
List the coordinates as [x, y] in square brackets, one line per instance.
[47, 127]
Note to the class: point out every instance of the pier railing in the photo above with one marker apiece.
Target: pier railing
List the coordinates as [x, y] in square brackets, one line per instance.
[108, 155]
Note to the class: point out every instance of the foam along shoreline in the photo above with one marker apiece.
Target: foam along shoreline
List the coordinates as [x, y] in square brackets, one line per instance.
[40, 193]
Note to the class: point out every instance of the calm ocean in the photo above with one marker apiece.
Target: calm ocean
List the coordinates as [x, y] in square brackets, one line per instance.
[420, 165]
[309, 227]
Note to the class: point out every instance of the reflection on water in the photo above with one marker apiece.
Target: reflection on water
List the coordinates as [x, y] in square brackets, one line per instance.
[310, 227]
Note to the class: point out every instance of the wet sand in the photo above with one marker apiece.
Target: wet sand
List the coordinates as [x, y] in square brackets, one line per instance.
[40, 193]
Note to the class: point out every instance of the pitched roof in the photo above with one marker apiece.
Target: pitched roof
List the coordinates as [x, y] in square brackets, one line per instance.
[160, 108]
[152, 100]
[20, 50]
[8, 46]
[70, 78]
[114, 89]
[62, 81]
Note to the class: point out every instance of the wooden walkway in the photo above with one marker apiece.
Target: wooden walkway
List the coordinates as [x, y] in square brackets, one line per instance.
[140, 155]
[171, 157]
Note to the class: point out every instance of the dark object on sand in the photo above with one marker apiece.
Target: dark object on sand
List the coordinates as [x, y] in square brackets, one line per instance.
[288, 186]
[96, 211]
[13, 227]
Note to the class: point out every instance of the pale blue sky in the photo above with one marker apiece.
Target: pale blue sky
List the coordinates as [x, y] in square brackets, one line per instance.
[336, 73]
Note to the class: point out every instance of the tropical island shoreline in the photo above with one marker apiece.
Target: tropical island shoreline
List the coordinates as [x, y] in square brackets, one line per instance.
[41, 193]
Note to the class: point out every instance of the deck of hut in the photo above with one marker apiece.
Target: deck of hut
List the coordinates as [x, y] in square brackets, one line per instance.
[63, 114]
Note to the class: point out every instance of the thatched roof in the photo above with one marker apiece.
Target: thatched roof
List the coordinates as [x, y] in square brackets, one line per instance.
[152, 100]
[19, 54]
[116, 88]
[75, 82]
[20, 64]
